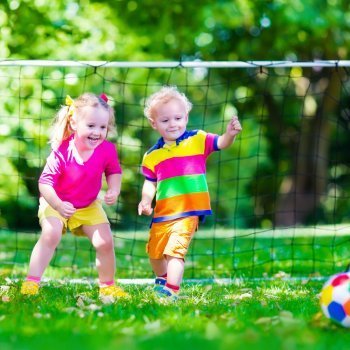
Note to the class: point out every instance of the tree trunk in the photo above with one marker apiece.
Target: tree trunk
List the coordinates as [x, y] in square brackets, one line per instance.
[301, 191]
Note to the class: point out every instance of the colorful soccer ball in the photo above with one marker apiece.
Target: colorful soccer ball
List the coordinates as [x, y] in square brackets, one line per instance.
[335, 299]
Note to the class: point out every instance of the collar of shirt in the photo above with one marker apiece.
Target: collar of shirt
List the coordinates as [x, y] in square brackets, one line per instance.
[160, 143]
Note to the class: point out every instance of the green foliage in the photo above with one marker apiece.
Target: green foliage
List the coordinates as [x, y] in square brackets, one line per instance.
[133, 30]
[244, 180]
[178, 30]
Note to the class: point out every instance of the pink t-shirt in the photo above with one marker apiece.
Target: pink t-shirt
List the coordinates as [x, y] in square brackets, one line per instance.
[79, 182]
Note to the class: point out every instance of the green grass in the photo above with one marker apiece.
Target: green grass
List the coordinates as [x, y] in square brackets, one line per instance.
[271, 314]
[261, 307]
[220, 253]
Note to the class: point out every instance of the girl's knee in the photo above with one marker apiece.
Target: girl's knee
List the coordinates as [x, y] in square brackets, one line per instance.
[104, 244]
[100, 237]
[51, 237]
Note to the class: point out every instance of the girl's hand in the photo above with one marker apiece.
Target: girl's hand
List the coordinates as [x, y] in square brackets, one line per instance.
[234, 126]
[111, 197]
[66, 209]
[145, 208]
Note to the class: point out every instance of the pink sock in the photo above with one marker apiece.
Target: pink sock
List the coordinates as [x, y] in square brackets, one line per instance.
[33, 279]
[107, 284]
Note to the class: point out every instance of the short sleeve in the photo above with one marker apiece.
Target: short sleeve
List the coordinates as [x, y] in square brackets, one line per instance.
[52, 169]
[211, 144]
[112, 165]
[147, 170]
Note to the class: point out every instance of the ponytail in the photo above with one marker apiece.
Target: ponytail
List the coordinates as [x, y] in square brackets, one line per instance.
[61, 128]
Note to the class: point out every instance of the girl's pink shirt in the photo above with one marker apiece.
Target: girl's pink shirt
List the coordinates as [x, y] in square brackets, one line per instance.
[79, 182]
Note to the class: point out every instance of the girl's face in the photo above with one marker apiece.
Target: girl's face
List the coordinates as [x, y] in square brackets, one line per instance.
[171, 120]
[90, 127]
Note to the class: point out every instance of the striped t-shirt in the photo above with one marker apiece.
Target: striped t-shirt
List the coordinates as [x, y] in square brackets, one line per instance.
[179, 170]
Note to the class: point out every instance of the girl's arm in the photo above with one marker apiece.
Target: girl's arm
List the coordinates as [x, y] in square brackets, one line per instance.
[148, 193]
[233, 128]
[66, 209]
[113, 191]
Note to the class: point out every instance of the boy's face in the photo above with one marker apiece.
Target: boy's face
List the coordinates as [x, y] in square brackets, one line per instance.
[170, 120]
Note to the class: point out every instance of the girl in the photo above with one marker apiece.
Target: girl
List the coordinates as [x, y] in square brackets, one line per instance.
[69, 186]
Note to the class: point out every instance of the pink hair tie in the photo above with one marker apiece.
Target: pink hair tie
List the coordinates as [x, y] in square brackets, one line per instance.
[104, 97]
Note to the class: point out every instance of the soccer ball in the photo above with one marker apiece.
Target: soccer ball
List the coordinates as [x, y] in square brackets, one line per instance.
[335, 298]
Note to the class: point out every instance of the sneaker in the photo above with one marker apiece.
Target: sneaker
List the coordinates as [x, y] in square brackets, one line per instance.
[159, 283]
[114, 292]
[30, 288]
[167, 294]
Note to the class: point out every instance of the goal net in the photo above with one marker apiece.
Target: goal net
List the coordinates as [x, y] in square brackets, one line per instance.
[280, 194]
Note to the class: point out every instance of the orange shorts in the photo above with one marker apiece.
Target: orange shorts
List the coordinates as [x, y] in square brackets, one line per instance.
[171, 237]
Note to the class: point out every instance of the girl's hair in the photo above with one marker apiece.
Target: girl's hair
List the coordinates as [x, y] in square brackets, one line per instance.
[164, 95]
[61, 128]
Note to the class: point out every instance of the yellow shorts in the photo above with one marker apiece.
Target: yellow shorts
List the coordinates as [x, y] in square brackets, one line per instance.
[171, 237]
[91, 215]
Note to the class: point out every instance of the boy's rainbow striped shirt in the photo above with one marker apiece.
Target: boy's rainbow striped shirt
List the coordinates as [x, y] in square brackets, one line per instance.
[179, 170]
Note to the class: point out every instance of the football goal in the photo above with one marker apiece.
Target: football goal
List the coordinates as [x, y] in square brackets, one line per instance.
[280, 195]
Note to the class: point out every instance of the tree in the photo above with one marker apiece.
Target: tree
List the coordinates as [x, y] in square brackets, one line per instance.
[184, 30]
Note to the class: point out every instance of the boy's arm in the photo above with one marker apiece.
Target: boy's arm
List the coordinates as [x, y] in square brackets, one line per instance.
[113, 191]
[233, 128]
[66, 209]
[148, 193]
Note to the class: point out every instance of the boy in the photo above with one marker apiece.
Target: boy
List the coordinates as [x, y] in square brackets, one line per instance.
[174, 170]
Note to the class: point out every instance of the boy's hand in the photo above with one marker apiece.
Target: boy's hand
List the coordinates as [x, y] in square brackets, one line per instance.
[66, 209]
[234, 126]
[110, 197]
[145, 208]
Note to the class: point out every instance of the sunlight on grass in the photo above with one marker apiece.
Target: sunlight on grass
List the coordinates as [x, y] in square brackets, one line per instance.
[270, 314]
[258, 290]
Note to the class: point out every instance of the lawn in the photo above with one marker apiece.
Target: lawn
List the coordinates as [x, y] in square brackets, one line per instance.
[273, 314]
[298, 252]
[250, 292]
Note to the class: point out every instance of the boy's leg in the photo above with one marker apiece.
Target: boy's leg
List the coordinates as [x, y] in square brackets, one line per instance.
[175, 251]
[42, 253]
[159, 267]
[167, 246]
[158, 239]
[175, 270]
[175, 273]
[101, 238]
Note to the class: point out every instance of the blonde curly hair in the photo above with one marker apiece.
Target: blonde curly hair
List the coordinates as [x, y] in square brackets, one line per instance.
[164, 95]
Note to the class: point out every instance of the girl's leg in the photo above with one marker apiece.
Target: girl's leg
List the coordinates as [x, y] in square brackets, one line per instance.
[45, 247]
[42, 254]
[101, 238]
